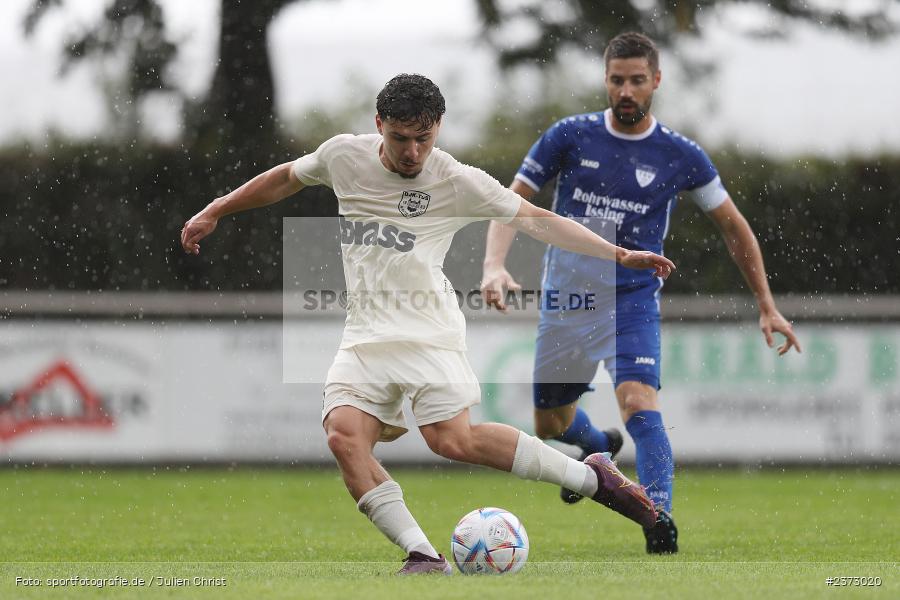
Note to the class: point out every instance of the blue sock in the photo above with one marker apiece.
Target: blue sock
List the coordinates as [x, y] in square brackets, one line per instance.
[655, 466]
[584, 435]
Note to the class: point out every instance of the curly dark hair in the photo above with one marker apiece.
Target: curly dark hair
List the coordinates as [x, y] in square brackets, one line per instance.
[632, 45]
[411, 99]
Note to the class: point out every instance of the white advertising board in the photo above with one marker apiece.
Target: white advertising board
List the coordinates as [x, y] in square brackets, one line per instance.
[142, 391]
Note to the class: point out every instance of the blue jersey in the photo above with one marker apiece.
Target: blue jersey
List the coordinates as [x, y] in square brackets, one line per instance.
[624, 187]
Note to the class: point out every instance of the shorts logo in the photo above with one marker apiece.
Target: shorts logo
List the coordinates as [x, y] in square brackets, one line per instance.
[591, 164]
[413, 203]
[645, 360]
[645, 174]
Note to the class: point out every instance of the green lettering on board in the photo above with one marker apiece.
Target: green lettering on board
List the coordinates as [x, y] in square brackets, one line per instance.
[882, 360]
[712, 359]
[675, 366]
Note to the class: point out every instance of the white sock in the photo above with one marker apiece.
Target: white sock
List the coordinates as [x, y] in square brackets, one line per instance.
[537, 461]
[385, 508]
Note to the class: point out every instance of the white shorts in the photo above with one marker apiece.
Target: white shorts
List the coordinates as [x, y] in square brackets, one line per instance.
[376, 377]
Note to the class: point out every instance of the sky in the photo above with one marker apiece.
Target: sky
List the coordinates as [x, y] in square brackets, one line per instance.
[814, 93]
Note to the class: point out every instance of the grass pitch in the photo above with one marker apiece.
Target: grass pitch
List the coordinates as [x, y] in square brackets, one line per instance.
[296, 533]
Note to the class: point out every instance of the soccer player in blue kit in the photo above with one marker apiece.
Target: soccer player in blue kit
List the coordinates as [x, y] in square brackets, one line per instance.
[619, 172]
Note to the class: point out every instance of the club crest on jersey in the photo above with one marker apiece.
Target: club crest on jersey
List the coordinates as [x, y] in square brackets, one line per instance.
[413, 203]
[645, 174]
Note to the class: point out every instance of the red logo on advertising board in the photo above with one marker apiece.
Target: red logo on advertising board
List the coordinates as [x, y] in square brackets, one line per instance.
[18, 417]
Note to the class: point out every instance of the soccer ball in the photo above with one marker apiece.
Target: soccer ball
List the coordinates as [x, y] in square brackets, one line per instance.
[489, 541]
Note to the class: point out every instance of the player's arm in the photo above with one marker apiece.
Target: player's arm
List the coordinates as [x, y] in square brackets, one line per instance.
[495, 279]
[264, 189]
[745, 250]
[568, 235]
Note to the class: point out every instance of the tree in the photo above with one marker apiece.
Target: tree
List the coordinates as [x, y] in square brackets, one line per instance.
[237, 115]
[130, 29]
[590, 24]
[238, 111]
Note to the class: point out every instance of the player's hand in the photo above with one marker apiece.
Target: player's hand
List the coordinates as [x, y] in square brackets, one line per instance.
[197, 228]
[772, 321]
[495, 282]
[661, 265]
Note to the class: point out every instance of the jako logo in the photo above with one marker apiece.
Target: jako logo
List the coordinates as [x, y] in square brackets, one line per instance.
[645, 360]
[593, 164]
[363, 233]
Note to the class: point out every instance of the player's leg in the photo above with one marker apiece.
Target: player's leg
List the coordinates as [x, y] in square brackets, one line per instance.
[360, 409]
[635, 371]
[639, 407]
[655, 465]
[505, 448]
[352, 434]
[447, 387]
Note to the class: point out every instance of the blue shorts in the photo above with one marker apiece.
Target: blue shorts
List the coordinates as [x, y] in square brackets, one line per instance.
[570, 347]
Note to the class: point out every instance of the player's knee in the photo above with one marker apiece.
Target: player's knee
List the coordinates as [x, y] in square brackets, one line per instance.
[451, 448]
[341, 443]
[432, 442]
[635, 402]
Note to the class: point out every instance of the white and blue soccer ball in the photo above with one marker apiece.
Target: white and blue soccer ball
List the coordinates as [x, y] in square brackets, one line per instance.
[489, 541]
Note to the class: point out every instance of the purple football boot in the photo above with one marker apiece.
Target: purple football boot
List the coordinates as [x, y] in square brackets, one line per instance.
[620, 493]
[615, 444]
[420, 564]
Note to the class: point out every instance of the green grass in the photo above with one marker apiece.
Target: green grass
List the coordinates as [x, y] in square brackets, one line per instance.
[297, 534]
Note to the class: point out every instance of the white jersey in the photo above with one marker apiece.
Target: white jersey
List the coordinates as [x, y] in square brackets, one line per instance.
[395, 233]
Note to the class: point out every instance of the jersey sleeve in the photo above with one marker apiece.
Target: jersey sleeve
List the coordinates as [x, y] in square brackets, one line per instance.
[482, 197]
[313, 168]
[704, 186]
[543, 161]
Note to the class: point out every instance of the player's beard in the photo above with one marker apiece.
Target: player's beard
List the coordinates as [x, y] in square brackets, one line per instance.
[406, 175]
[640, 111]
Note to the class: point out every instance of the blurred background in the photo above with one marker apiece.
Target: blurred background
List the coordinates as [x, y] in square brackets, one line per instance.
[123, 118]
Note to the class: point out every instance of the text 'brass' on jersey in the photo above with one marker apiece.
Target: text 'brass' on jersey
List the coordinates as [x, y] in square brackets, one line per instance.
[370, 233]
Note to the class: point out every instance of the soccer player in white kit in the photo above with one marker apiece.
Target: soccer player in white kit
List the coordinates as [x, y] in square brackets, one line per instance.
[401, 200]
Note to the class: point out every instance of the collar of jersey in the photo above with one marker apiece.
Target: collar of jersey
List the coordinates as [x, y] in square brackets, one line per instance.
[607, 121]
